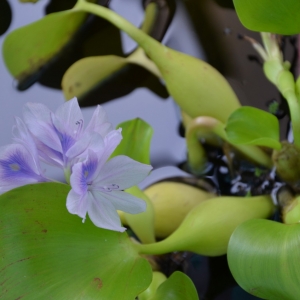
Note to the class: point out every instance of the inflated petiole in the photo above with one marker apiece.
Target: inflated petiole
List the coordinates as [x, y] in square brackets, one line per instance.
[202, 127]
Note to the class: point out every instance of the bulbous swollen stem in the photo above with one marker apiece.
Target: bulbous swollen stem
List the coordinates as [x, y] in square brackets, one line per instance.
[287, 163]
[201, 126]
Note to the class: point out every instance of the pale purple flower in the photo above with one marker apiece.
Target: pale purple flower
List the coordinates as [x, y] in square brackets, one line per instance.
[19, 162]
[97, 188]
[60, 137]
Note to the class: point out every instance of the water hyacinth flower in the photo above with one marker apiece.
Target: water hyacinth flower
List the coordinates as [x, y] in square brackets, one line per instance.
[60, 137]
[97, 188]
[19, 162]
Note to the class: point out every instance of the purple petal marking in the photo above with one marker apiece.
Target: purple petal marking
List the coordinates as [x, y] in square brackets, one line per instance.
[83, 174]
[90, 141]
[18, 167]
[49, 155]
[38, 118]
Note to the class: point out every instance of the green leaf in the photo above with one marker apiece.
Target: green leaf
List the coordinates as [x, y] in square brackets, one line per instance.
[27, 49]
[252, 126]
[91, 73]
[87, 73]
[276, 16]
[198, 88]
[143, 223]
[157, 279]
[177, 287]
[47, 252]
[264, 258]
[207, 228]
[136, 140]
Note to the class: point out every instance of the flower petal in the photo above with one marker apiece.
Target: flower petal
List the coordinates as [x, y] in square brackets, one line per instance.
[111, 141]
[69, 117]
[103, 213]
[125, 202]
[90, 141]
[24, 137]
[18, 167]
[122, 171]
[77, 204]
[49, 155]
[78, 180]
[38, 118]
[99, 122]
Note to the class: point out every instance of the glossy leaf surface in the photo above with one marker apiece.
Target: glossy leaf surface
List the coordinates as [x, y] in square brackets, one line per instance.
[143, 223]
[45, 251]
[198, 88]
[212, 222]
[252, 126]
[275, 16]
[105, 69]
[137, 135]
[157, 279]
[25, 50]
[177, 287]
[89, 72]
[264, 258]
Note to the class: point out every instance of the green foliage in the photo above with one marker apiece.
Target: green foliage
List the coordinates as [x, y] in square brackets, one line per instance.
[143, 223]
[198, 88]
[157, 279]
[207, 228]
[252, 126]
[263, 257]
[177, 287]
[137, 135]
[276, 16]
[94, 72]
[136, 140]
[45, 251]
[23, 51]
[89, 72]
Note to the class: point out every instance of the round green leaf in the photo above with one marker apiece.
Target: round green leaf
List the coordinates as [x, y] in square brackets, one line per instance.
[47, 253]
[276, 16]
[264, 259]
[177, 287]
[252, 126]
[27, 49]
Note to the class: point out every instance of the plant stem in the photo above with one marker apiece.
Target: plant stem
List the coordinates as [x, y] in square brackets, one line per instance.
[158, 248]
[286, 86]
[136, 34]
[294, 108]
[214, 126]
